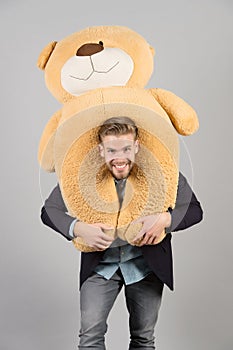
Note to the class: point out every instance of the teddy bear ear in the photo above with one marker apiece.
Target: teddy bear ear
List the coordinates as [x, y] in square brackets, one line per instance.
[152, 50]
[45, 54]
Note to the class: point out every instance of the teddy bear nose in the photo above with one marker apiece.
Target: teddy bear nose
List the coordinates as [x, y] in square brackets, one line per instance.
[89, 49]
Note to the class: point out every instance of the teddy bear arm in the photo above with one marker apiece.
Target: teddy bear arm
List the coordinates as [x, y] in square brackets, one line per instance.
[45, 151]
[181, 114]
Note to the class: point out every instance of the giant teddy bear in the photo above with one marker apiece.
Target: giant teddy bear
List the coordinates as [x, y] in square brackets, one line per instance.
[98, 73]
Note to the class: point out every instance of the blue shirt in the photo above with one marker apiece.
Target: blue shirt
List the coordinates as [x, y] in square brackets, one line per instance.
[126, 257]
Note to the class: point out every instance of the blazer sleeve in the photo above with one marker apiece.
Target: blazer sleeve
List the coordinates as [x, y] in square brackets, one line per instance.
[54, 214]
[188, 210]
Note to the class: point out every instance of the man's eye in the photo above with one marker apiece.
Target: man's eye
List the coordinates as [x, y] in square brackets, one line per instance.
[127, 149]
[111, 151]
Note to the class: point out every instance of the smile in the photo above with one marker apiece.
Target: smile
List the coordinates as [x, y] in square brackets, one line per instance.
[95, 71]
[120, 166]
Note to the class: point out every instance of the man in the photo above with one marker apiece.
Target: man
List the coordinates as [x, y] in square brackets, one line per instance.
[143, 270]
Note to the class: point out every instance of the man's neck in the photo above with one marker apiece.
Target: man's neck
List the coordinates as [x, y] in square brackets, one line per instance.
[120, 180]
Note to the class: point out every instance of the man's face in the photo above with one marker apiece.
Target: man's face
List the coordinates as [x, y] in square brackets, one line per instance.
[119, 154]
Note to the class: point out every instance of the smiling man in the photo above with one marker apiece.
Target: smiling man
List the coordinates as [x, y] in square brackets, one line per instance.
[143, 270]
[118, 146]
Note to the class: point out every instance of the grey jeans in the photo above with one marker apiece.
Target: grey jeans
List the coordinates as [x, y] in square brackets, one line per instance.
[97, 297]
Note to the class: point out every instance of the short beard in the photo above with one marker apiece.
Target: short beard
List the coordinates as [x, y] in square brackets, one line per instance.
[119, 175]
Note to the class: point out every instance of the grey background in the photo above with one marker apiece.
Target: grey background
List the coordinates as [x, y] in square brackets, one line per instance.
[39, 269]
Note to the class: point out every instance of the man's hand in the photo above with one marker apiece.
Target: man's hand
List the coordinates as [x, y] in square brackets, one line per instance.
[93, 235]
[153, 227]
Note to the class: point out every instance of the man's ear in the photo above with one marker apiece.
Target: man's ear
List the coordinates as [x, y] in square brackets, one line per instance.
[136, 146]
[101, 150]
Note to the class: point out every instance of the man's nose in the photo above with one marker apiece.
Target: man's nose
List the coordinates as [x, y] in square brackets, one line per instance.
[90, 49]
[119, 155]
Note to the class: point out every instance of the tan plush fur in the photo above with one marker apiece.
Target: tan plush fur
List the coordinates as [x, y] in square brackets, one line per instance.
[112, 36]
[87, 186]
[69, 144]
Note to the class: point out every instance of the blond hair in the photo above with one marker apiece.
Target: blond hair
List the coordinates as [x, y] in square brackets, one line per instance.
[117, 126]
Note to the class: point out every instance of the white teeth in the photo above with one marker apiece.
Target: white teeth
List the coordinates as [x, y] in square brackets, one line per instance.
[120, 166]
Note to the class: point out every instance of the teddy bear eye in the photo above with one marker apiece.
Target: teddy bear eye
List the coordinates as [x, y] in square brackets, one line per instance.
[101, 43]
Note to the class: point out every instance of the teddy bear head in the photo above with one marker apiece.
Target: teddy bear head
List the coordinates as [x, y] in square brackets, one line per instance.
[96, 57]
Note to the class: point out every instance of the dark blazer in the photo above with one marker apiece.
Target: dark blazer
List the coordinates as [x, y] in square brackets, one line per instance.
[187, 212]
